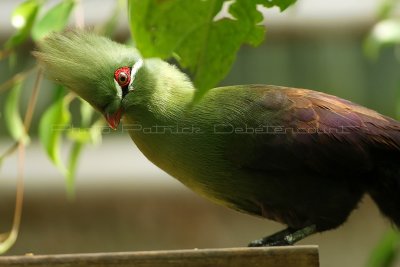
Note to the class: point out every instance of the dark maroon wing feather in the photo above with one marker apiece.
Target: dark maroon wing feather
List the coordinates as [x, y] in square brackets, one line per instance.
[310, 131]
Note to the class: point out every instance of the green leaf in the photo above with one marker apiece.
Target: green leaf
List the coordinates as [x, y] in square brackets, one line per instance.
[72, 165]
[385, 32]
[22, 18]
[282, 4]
[384, 254]
[12, 116]
[88, 133]
[190, 31]
[81, 135]
[54, 20]
[52, 124]
[386, 8]
[86, 113]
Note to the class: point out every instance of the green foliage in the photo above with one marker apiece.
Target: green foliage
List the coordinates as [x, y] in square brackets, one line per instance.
[12, 116]
[56, 122]
[386, 8]
[52, 124]
[23, 18]
[384, 33]
[282, 4]
[54, 20]
[72, 165]
[30, 23]
[385, 253]
[192, 33]
[87, 133]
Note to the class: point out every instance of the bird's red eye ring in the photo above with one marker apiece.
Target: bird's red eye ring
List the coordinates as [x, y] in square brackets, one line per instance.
[123, 76]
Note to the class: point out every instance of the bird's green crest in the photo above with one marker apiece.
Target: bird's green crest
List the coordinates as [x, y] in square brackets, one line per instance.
[85, 63]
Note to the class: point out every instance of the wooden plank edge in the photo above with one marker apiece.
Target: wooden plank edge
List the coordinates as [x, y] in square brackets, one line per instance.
[299, 256]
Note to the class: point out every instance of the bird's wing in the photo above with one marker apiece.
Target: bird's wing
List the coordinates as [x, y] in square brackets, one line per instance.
[300, 130]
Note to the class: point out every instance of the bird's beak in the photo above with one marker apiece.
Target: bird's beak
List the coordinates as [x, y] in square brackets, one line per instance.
[114, 119]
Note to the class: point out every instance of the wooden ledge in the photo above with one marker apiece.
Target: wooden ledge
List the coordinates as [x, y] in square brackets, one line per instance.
[299, 256]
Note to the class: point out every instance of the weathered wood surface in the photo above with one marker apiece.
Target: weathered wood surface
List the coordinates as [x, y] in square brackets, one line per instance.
[299, 256]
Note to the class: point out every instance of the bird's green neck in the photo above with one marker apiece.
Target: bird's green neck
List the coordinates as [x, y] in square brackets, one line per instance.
[162, 92]
[156, 107]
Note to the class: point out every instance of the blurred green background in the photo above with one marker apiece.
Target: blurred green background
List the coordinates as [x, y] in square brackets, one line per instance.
[124, 203]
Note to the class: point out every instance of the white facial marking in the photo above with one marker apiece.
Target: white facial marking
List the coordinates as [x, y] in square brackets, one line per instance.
[135, 68]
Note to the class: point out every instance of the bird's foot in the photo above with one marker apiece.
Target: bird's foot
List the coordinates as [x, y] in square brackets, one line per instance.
[285, 237]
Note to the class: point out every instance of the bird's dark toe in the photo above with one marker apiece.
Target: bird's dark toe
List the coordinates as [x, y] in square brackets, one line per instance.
[256, 243]
[268, 243]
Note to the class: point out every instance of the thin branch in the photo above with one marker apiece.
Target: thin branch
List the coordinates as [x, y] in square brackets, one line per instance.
[33, 100]
[5, 53]
[20, 189]
[16, 78]
[8, 239]
[9, 151]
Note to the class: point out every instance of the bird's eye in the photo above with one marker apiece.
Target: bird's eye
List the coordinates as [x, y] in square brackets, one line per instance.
[122, 76]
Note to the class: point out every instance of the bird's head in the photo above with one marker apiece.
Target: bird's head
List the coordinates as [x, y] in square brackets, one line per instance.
[97, 69]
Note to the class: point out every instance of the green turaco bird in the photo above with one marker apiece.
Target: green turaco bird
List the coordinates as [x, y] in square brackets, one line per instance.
[296, 156]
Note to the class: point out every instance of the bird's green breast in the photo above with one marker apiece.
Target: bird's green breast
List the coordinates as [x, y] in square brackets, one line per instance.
[191, 142]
